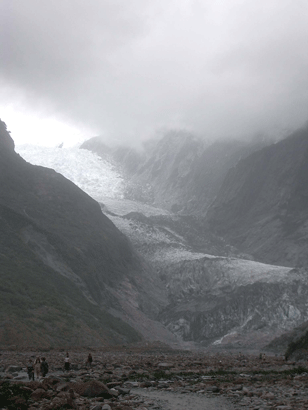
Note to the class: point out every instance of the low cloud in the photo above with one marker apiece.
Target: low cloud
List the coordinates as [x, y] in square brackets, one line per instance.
[126, 68]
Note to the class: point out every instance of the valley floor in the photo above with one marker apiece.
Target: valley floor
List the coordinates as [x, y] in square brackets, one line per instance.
[155, 377]
[169, 400]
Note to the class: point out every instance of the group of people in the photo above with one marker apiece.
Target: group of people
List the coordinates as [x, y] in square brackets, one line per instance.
[37, 369]
[40, 366]
[67, 364]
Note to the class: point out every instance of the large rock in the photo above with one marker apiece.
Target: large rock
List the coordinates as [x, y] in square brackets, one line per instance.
[93, 388]
[13, 369]
[40, 394]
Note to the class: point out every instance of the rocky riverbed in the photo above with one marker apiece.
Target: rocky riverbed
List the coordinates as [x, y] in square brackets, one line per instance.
[154, 378]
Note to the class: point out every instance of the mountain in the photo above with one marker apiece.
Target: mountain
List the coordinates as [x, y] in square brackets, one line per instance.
[262, 205]
[223, 301]
[293, 344]
[178, 172]
[127, 159]
[211, 292]
[221, 181]
[68, 275]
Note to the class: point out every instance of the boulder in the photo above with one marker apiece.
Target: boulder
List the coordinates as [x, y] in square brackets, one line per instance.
[49, 382]
[122, 390]
[40, 394]
[93, 388]
[13, 369]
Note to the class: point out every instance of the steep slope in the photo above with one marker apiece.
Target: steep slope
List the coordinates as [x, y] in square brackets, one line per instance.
[168, 168]
[126, 158]
[292, 344]
[179, 172]
[233, 302]
[219, 300]
[262, 206]
[185, 173]
[94, 175]
[223, 300]
[64, 265]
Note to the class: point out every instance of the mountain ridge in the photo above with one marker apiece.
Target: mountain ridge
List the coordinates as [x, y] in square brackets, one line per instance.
[211, 291]
[178, 172]
[51, 229]
[262, 205]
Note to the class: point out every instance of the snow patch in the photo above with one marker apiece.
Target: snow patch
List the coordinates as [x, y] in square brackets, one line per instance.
[94, 175]
[220, 341]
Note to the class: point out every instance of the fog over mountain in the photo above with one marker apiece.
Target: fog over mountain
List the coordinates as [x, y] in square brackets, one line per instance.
[177, 203]
[125, 69]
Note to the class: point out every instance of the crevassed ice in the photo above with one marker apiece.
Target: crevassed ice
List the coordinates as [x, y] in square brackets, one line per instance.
[97, 177]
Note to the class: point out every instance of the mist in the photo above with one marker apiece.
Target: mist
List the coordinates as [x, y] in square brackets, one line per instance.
[124, 69]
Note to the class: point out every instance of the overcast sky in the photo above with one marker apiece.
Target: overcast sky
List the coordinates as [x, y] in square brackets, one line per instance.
[72, 69]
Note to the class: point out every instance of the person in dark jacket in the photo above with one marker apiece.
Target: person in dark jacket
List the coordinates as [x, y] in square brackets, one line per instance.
[30, 370]
[44, 367]
[67, 362]
[89, 360]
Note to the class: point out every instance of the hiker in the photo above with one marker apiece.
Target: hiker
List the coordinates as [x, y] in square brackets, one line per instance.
[89, 360]
[44, 367]
[67, 362]
[30, 370]
[37, 368]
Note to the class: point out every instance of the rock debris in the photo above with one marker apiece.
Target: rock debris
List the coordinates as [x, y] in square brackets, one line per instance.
[131, 379]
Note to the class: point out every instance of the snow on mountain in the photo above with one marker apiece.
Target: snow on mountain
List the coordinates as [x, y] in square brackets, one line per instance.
[102, 181]
[212, 273]
[97, 177]
[211, 297]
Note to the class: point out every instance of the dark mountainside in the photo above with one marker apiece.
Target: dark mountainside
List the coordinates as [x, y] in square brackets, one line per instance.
[293, 343]
[63, 263]
[262, 206]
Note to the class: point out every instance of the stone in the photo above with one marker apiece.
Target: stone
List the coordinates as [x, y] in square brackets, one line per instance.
[131, 384]
[122, 390]
[62, 387]
[13, 369]
[164, 365]
[40, 394]
[114, 392]
[93, 388]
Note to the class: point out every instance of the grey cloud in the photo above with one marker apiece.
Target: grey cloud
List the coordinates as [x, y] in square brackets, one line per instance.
[129, 67]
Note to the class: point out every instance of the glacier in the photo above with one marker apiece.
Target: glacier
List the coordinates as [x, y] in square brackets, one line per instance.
[97, 177]
[214, 295]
